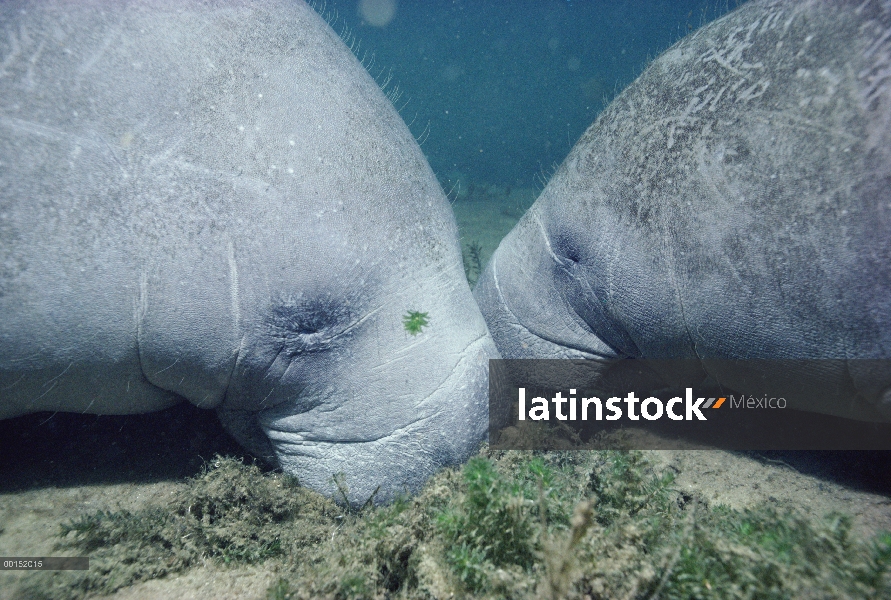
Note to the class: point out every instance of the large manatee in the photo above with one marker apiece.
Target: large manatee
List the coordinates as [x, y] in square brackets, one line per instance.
[733, 203]
[215, 201]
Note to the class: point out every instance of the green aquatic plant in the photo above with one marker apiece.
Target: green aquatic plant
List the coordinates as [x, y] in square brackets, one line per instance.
[517, 524]
[473, 263]
[490, 526]
[415, 321]
[232, 513]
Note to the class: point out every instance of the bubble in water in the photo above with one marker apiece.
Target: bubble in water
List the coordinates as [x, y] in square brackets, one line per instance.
[378, 13]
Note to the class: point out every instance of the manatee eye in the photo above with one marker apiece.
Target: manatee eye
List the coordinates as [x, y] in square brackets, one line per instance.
[307, 324]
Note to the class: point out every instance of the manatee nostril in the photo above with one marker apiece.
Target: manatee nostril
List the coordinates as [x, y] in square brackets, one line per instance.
[567, 250]
[307, 324]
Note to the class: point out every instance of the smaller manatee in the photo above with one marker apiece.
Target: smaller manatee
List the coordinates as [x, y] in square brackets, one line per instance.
[734, 202]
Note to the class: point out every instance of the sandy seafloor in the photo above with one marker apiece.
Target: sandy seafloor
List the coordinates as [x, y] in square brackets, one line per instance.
[53, 469]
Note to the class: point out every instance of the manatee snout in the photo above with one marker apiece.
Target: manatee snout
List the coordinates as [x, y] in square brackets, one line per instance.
[396, 450]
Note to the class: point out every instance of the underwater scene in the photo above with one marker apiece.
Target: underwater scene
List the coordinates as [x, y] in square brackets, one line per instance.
[256, 258]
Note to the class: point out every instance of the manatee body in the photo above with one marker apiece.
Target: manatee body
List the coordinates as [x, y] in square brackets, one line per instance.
[215, 202]
[733, 203]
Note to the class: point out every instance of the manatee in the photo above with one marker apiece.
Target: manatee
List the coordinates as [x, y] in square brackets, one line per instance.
[734, 202]
[214, 202]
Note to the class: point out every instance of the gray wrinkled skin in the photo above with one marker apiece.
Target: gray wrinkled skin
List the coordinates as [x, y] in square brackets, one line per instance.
[733, 202]
[214, 201]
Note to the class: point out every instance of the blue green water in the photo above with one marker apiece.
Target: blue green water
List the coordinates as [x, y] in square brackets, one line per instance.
[499, 91]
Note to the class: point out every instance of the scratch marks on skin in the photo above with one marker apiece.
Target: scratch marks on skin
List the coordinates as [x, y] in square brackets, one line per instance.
[352, 326]
[772, 19]
[241, 344]
[52, 382]
[86, 410]
[48, 419]
[164, 158]
[716, 55]
[495, 280]
[743, 83]
[92, 60]
[77, 143]
[139, 311]
[793, 121]
[755, 90]
[730, 55]
[13, 384]
[716, 98]
[15, 52]
[685, 119]
[262, 403]
[29, 128]
[29, 76]
[876, 81]
[17, 44]
[233, 288]
[236, 315]
[170, 366]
